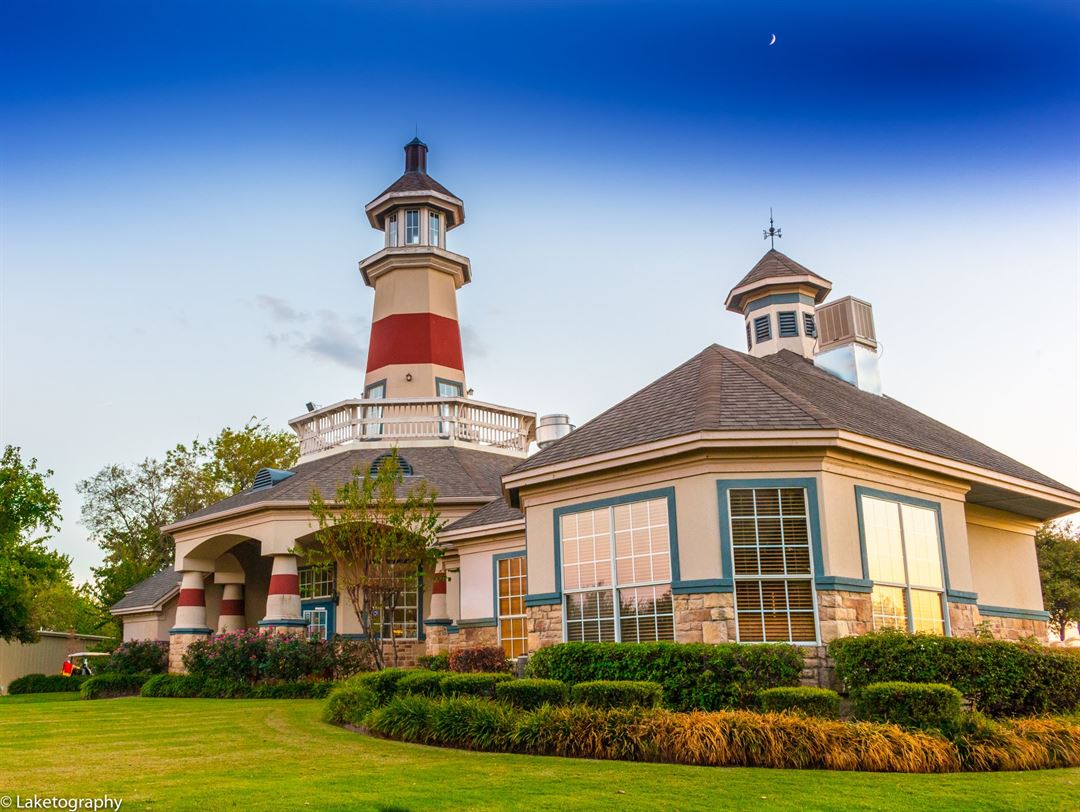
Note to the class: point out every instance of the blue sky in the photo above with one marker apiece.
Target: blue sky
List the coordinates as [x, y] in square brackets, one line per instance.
[182, 190]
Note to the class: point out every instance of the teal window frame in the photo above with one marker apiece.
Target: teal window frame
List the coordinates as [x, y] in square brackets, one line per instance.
[762, 335]
[948, 594]
[818, 581]
[329, 605]
[495, 559]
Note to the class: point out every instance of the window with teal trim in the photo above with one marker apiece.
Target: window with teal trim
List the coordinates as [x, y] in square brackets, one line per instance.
[616, 573]
[317, 622]
[770, 553]
[317, 581]
[512, 585]
[903, 558]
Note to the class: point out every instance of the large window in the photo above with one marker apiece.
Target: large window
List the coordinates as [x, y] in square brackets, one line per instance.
[403, 619]
[616, 573]
[317, 581]
[512, 588]
[903, 559]
[412, 227]
[773, 573]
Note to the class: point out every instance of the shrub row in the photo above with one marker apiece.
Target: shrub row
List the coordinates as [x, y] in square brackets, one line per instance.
[998, 677]
[190, 686]
[112, 684]
[926, 705]
[251, 655]
[435, 662]
[724, 738]
[694, 676]
[617, 694]
[529, 694]
[45, 684]
[820, 702]
[432, 683]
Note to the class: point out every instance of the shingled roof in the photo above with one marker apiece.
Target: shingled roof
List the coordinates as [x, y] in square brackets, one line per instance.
[150, 592]
[774, 264]
[416, 182]
[720, 389]
[456, 473]
[497, 511]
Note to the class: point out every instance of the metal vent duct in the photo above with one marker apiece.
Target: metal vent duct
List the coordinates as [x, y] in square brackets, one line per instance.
[552, 427]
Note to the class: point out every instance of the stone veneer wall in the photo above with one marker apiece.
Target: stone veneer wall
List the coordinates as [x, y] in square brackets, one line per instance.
[705, 617]
[178, 645]
[545, 625]
[438, 640]
[472, 636]
[409, 653]
[1014, 628]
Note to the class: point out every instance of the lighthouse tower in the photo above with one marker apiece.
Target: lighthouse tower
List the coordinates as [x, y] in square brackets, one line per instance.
[415, 346]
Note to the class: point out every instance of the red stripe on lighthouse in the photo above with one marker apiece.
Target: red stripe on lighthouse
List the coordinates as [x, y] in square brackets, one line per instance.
[232, 606]
[415, 338]
[192, 597]
[284, 584]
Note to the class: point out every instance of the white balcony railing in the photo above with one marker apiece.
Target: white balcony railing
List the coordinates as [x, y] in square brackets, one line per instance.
[392, 420]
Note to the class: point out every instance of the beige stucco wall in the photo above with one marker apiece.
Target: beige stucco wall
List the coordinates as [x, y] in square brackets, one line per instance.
[1005, 570]
[476, 574]
[151, 625]
[415, 290]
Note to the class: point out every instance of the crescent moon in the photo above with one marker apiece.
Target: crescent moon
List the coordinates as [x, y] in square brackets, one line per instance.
[773, 40]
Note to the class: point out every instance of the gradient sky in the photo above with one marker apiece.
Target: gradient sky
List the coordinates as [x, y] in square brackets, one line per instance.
[182, 190]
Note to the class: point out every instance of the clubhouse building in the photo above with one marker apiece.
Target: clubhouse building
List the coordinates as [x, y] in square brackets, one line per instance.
[772, 494]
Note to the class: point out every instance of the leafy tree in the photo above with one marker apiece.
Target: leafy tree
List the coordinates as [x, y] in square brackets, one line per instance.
[380, 536]
[63, 606]
[125, 507]
[28, 506]
[1058, 548]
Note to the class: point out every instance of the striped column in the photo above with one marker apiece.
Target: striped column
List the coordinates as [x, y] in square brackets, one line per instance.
[231, 617]
[283, 597]
[191, 606]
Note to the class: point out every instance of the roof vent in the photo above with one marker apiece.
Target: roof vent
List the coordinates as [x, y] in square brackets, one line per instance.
[552, 427]
[847, 344]
[403, 464]
[268, 478]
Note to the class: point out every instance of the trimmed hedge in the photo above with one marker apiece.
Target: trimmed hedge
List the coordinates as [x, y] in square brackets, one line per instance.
[726, 738]
[528, 694]
[435, 662]
[481, 685]
[908, 704]
[349, 703]
[694, 676]
[421, 683]
[820, 702]
[112, 684]
[45, 684]
[190, 686]
[383, 683]
[998, 677]
[617, 694]
[479, 660]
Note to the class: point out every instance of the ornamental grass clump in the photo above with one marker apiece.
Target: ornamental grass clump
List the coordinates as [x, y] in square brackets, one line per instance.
[810, 701]
[908, 704]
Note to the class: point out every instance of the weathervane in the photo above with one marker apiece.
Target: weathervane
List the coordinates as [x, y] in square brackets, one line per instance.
[772, 232]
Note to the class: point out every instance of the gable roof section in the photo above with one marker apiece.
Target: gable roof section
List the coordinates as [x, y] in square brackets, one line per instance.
[456, 473]
[720, 389]
[497, 511]
[149, 593]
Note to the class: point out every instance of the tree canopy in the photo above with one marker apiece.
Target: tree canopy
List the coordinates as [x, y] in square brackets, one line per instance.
[1058, 548]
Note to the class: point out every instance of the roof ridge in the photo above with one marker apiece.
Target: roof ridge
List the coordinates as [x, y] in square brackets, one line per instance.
[709, 388]
[779, 388]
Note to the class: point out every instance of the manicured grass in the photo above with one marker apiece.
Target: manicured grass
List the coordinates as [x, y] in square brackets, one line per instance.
[277, 754]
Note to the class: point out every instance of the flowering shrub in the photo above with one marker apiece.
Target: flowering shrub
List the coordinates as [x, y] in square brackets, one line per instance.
[251, 655]
[138, 657]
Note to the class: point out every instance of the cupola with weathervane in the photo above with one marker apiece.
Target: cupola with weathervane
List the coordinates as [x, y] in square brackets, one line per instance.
[777, 300]
[415, 346]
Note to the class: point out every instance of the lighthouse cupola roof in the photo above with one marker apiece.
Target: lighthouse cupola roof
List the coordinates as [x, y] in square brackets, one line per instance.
[416, 188]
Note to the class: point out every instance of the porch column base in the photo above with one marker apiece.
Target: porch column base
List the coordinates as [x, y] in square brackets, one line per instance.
[179, 640]
[284, 625]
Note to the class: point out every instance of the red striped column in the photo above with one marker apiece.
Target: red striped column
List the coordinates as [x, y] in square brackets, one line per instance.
[415, 338]
[191, 605]
[232, 616]
[283, 597]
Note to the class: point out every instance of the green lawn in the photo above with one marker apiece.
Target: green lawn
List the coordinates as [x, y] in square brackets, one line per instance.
[276, 754]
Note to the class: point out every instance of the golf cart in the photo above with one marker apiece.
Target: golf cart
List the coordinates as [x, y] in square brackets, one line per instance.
[78, 664]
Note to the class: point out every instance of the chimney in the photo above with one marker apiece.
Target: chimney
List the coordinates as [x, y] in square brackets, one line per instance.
[847, 344]
[416, 156]
[552, 427]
